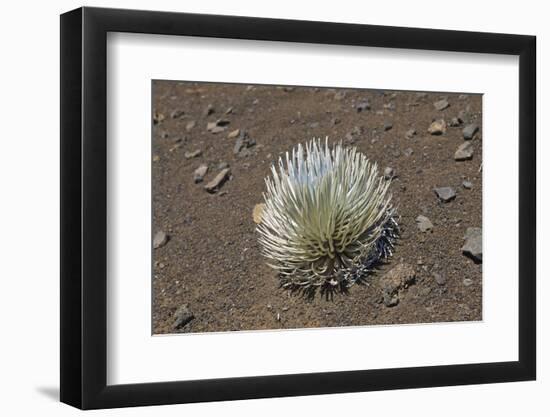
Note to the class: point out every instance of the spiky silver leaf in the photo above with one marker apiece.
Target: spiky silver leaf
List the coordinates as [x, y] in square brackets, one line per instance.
[327, 216]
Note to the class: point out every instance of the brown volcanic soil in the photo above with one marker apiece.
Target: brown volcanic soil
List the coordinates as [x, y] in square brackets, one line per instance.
[212, 261]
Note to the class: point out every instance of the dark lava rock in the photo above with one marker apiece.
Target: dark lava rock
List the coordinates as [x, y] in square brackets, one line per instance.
[445, 194]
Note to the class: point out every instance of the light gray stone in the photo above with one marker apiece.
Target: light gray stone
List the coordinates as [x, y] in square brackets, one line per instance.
[423, 223]
[182, 316]
[199, 173]
[214, 185]
[469, 131]
[445, 194]
[160, 239]
[473, 244]
[410, 133]
[193, 154]
[441, 105]
[464, 152]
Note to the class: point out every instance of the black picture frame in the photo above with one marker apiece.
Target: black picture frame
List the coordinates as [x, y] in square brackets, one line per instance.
[84, 207]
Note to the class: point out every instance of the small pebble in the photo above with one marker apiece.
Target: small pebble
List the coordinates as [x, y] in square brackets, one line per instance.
[160, 239]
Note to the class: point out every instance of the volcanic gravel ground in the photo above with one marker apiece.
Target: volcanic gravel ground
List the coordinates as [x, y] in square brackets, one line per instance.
[210, 262]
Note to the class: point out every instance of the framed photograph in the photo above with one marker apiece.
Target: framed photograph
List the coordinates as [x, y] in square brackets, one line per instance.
[257, 208]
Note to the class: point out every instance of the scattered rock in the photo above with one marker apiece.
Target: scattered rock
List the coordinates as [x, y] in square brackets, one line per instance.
[437, 127]
[190, 125]
[464, 152]
[218, 181]
[313, 125]
[233, 134]
[467, 282]
[257, 213]
[218, 126]
[223, 165]
[423, 223]
[156, 158]
[389, 106]
[445, 194]
[335, 121]
[229, 110]
[408, 152]
[441, 105]
[389, 173]
[340, 95]
[193, 154]
[177, 114]
[469, 131]
[199, 173]
[362, 106]
[209, 110]
[160, 239]
[242, 144]
[440, 279]
[175, 147]
[288, 89]
[473, 244]
[182, 316]
[395, 280]
[388, 126]
[157, 118]
[467, 184]
[410, 133]
[455, 122]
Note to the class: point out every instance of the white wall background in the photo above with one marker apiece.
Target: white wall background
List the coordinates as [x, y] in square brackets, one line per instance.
[29, 177]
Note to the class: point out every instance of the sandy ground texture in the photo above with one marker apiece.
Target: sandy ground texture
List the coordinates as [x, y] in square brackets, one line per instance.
[208, 273]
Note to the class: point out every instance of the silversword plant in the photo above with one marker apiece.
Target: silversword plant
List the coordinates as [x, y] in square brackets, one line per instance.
[328, 217]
